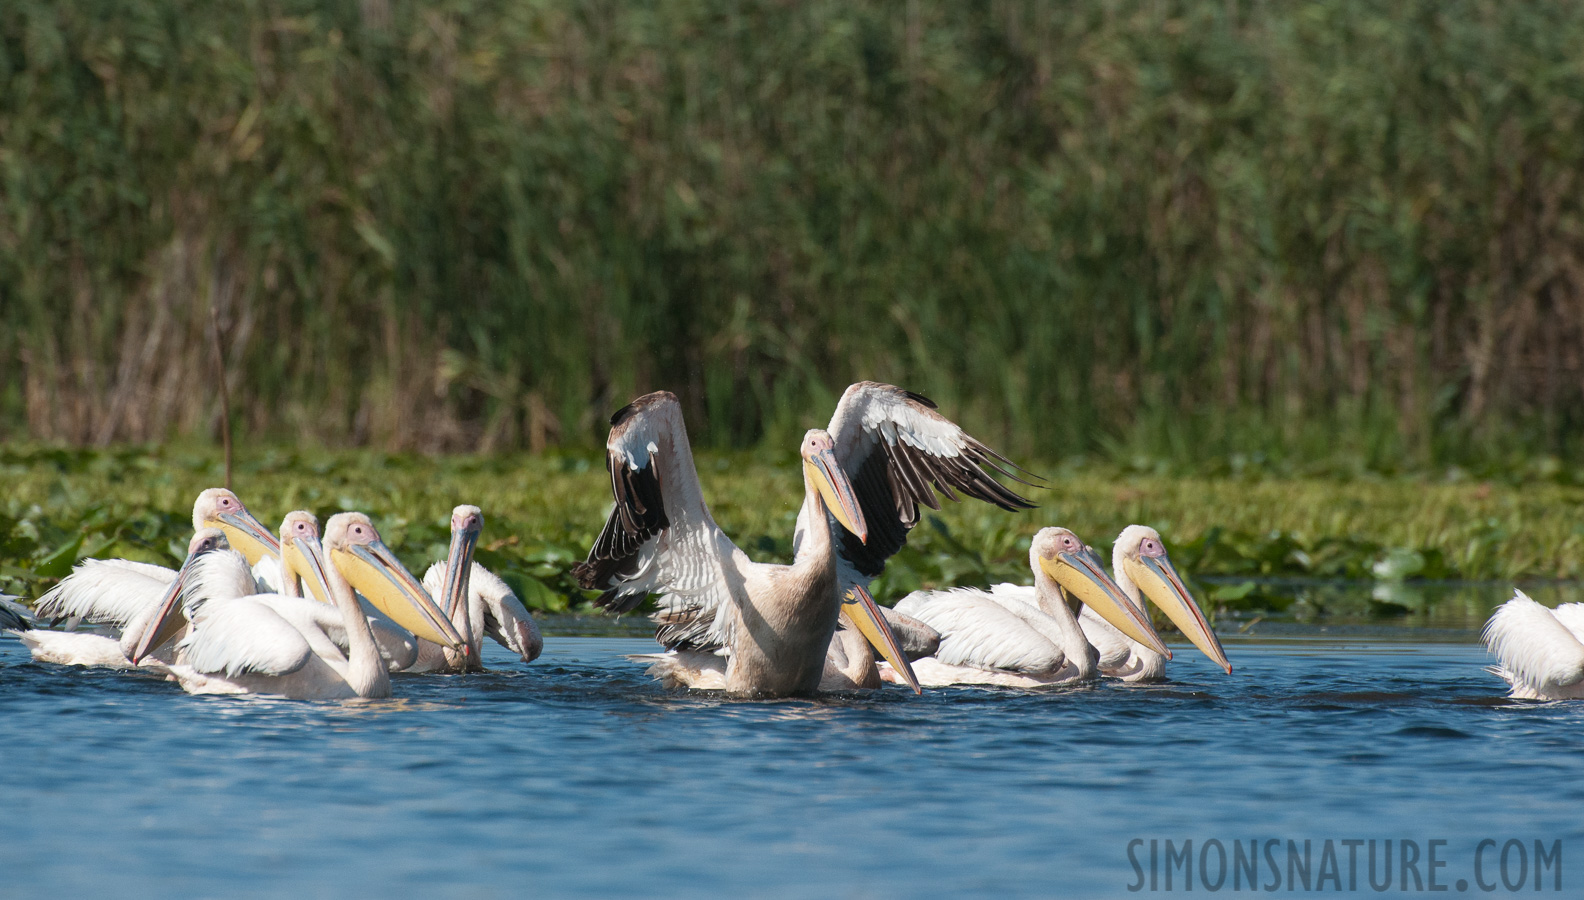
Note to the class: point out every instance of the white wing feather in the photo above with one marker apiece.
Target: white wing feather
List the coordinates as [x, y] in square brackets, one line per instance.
[106, 591]
[1539, 654]
[244, 635]
[978, 631]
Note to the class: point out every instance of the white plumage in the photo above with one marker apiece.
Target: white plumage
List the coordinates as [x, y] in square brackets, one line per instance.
[124, 598]
[1540, 651]
[1001, 629]
[105, 592]
[1140, 554]
[491, 602]
[285, 646]
[1024, 636]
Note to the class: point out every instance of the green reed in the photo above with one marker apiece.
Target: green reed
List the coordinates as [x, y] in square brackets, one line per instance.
[1338, 229]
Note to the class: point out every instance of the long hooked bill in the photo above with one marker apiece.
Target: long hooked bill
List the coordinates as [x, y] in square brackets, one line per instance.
[837, 491]
[1157, 578]
[165, 624]
[248, 537]
[459, 569]
[1082, 574]
[871, 623]
[373, 570]
[304, 558]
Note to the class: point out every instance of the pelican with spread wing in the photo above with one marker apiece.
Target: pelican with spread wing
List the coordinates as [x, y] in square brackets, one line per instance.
[113, 592]
[898, 451]
[114, 610]
[759, 629]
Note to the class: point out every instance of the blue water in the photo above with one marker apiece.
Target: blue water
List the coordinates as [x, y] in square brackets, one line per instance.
[577, 776]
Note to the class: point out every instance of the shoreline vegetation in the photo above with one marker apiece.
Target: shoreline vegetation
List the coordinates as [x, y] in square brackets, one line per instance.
[1342, 228]
[1241, 537]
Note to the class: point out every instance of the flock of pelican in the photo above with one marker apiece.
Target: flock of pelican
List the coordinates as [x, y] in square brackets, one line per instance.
[305, 616]
[293, 615]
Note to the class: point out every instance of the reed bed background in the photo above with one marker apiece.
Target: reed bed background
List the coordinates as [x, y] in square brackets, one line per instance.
[1337, 230]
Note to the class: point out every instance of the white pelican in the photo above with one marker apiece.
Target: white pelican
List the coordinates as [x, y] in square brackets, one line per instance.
[114, 591]
[477, 601]
[898, 451]
[1021, 636]
[245, 645]
[764, 630]
[225, 576]
[86, 648]
[1540, 651]
[1142, 569]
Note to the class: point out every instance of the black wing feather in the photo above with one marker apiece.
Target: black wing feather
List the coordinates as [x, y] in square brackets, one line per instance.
[639, 516]
[895, 479]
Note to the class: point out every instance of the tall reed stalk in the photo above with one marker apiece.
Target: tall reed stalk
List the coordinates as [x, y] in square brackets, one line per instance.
[1179, 228]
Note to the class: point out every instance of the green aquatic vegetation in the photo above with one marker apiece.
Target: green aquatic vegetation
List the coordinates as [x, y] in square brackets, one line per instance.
[542, 513]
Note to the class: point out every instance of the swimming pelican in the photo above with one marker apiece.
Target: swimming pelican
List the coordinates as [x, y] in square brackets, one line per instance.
[245, 646]
[764, 630]
[1540, 651]
[114, 591]
[477, 601]
[86, 648]
[298, 541]
[1142, 569]
[898, 451]
[1025, 636]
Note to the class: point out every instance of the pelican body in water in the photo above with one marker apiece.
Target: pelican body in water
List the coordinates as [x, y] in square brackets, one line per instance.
[477, 602]
[245, 645]
[1540, 651]
[295, 592]
[764, 630]
[1142, 569]
[898, 451]
[113, 592]
[86, 648]
[1026, 636]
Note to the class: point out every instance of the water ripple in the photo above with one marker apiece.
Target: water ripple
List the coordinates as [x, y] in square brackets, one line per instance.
[579, 776]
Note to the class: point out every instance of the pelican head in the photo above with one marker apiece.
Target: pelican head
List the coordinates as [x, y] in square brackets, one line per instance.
[165, 625]
[219, 508]
[1141, 557]
[466, 524]
[302, 556]
[821, 469]
[1074, 565]
[370, 568]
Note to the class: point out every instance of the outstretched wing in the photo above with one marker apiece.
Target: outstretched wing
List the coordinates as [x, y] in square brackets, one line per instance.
[898, 451]
[105, 591]
[660, 538]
